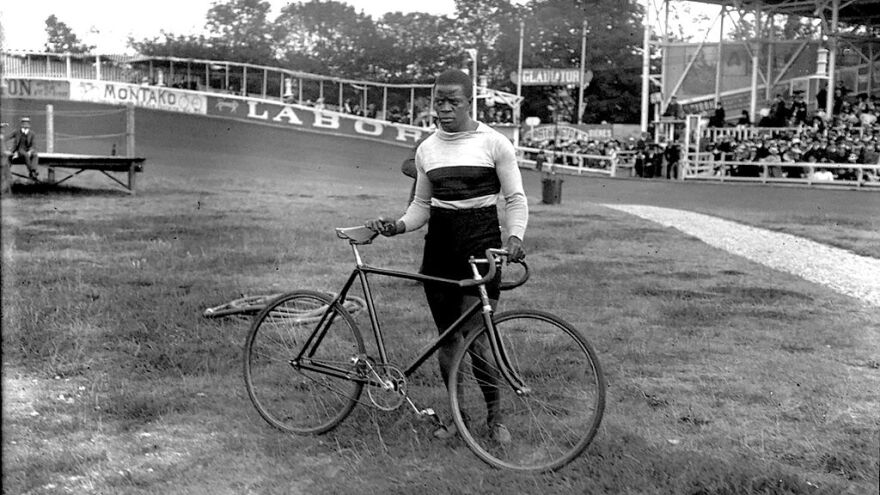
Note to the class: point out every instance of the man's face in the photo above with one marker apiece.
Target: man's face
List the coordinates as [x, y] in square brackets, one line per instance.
[452, 106]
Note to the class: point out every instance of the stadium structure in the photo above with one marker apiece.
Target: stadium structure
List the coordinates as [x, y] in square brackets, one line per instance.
[745, 74]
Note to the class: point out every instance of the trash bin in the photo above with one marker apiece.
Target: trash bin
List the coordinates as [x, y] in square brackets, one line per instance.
[551, 190]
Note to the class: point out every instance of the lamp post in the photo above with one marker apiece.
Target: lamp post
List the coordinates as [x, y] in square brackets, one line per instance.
[472, 52]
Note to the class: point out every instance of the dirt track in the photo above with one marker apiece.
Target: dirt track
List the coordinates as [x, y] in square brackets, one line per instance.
[182, 145]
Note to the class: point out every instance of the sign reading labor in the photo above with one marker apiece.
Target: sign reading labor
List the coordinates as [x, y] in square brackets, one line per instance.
[155, 97]
[308, 118]
[553, 77]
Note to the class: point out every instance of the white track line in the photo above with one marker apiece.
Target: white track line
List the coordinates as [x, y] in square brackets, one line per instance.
[845, 272]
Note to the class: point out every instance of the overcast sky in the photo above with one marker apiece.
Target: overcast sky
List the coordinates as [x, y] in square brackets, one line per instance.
[108, 23]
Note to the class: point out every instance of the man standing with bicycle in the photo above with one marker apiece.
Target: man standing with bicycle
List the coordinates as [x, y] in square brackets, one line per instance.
[460, 171]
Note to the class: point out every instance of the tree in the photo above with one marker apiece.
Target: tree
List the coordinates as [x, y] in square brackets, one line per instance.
[415, 46]
[61, 39]
[241, 29]
[171, 45]
[328, 37]
[553, 40]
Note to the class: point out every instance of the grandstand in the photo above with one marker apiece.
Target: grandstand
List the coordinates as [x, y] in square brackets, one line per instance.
[835, 76]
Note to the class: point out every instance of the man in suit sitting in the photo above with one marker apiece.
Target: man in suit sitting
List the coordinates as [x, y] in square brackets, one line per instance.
[23, 150]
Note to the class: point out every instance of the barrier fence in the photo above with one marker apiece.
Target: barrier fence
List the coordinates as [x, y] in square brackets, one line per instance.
[700, 167]
[618, 164]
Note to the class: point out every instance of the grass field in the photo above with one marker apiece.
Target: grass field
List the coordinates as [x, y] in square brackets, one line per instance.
[724, 376]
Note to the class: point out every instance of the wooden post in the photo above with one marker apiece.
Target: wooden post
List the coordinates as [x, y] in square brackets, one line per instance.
[50, 129]
[5, 167]
[50, 138]
[129, 130]
[131, 177]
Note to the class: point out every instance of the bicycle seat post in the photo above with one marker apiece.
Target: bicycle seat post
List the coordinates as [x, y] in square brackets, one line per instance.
[357, 255]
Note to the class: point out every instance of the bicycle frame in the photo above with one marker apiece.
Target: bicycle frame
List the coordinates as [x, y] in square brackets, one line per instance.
[360, 273]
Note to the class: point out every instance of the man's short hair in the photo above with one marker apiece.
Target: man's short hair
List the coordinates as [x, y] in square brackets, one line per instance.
[457, 78]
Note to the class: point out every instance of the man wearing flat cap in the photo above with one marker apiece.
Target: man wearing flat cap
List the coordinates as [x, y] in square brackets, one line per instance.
[23, 149]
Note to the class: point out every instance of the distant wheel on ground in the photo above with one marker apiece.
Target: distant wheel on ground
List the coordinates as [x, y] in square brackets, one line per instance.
[551, 425]
[291, 398]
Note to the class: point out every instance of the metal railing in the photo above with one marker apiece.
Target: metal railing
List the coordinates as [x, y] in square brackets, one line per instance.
[366, 98]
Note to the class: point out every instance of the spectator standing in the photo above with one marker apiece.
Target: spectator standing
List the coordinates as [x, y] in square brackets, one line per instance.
[673, 109]
[778, 112]
[718, 118]
[822, 99]
[798, 110]
[540, 160]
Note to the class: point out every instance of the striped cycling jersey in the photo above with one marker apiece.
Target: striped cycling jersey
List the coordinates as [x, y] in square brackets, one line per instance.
[464, 170]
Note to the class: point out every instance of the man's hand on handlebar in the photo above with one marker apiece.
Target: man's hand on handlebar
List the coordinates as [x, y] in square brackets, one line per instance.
[386, 226]
[515, 251]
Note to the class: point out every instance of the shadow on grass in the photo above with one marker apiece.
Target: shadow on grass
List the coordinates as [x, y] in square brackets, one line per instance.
[42, 189]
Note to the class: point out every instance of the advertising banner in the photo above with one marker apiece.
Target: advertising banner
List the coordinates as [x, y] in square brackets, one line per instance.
[154, 97]
[550, 77]
[311, 118]
[35, 89]
[566, 132]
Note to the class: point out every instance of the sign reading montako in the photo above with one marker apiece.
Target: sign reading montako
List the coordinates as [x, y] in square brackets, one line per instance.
[550, 77]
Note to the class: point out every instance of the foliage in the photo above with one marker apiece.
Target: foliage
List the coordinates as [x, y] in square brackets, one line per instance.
[327, 38]
[331, 38]
[780, 27]
[241, 29]
[62, 39]
[183, 46]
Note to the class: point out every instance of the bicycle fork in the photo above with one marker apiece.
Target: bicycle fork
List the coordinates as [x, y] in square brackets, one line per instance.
[498, 351]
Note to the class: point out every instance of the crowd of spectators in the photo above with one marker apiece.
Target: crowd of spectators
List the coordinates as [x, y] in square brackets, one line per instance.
[851, 136]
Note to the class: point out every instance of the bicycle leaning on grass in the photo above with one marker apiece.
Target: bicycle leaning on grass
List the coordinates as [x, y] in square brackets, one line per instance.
[305, 368]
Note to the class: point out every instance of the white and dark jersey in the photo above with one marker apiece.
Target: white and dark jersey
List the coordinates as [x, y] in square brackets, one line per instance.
[465, 170]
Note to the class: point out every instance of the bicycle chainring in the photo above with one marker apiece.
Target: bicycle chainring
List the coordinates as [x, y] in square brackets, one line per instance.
[387, 399]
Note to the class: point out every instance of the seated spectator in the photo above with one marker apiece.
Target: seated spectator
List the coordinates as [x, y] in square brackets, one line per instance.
[23, 149]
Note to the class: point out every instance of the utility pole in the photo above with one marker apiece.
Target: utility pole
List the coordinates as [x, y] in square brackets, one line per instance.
[646, 67]
[517, 110]
[580, 109]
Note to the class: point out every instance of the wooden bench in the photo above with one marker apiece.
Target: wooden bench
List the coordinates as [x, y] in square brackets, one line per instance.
[82, 163]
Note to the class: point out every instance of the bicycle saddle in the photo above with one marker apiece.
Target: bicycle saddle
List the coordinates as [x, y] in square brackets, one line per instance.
[356, 235]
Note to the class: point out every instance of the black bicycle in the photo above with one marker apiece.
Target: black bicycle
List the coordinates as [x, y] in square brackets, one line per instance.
[305, 368]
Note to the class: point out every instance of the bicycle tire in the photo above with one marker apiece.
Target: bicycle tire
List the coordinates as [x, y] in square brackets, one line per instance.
[552, 424]
[293, 399]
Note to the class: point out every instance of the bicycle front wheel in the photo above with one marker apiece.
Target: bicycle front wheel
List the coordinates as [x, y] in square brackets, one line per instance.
[550, 425]
[300, 399]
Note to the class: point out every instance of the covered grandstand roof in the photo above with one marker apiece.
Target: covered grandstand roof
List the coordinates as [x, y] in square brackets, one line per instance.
[852, 12]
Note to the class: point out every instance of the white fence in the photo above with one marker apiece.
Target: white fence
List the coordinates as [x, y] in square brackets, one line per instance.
[701, 167]
[618, 164]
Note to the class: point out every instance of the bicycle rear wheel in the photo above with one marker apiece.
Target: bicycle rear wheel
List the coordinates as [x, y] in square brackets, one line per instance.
[293, 398]
[553, 423]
